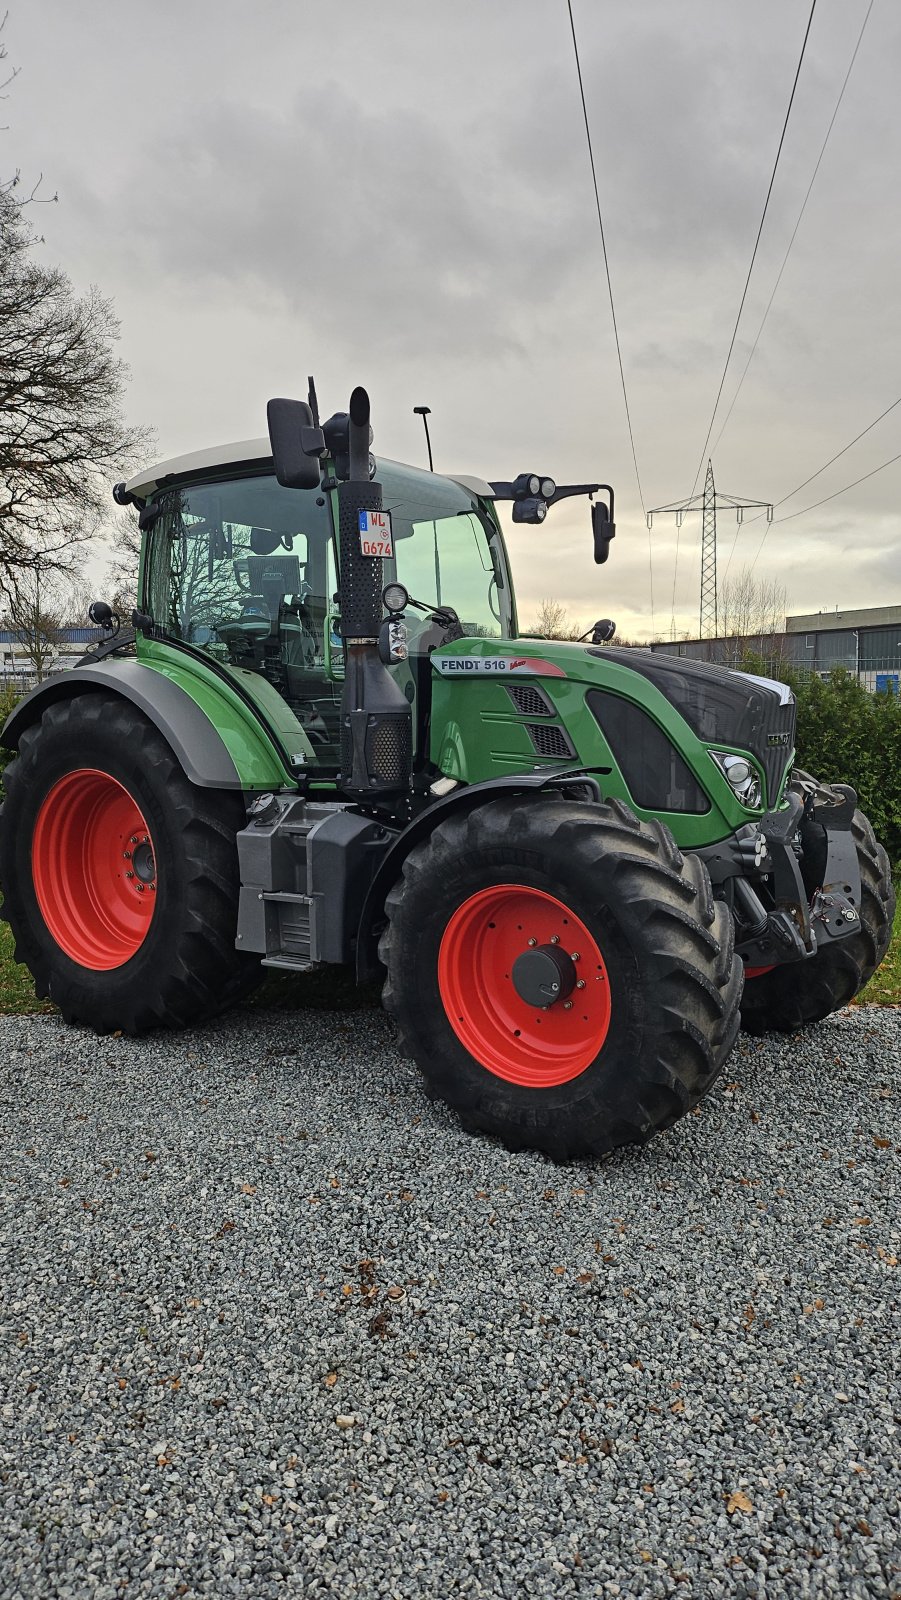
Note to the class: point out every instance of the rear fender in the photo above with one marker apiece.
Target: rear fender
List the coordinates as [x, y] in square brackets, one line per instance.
[466, 798]
[195, 742]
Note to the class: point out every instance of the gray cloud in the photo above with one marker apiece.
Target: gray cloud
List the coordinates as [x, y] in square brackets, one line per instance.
[401, 194]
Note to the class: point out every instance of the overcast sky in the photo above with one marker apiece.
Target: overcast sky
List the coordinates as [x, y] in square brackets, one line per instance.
[399, 195]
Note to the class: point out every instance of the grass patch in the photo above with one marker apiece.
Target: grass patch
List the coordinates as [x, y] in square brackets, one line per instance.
[17, 994]
[885, 988]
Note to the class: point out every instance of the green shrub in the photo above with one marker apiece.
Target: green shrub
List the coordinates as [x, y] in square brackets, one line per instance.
[8, 698]
[847, 735]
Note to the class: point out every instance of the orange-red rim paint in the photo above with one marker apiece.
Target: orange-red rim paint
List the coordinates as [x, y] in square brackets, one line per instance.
[536, 1048]
[756, 972]
[93, 869]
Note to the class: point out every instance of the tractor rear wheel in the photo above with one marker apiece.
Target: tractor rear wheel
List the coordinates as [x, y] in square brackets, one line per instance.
[119, 877]
[798, 994]
[560, 973]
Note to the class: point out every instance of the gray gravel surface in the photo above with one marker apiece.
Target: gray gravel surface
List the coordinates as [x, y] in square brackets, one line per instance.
[273, 1325]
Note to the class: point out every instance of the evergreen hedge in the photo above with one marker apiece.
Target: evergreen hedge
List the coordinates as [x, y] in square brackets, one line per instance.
[848, 735]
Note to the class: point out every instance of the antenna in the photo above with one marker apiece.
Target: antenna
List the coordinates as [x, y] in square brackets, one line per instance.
[425, 412]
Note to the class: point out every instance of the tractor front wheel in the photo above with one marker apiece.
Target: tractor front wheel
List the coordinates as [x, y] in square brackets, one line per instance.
[119, 878]
[785, 998]
[560, 973]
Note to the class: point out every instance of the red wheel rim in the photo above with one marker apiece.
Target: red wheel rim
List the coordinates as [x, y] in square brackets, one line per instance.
[93, 869]
[534, 1047]
[756, 972]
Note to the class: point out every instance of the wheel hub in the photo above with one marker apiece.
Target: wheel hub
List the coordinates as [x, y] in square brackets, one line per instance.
[93, 869]
[142, 861]
[544, 975]
[524, 985]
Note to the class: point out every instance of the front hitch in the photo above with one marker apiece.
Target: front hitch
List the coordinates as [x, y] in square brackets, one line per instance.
[794, 880]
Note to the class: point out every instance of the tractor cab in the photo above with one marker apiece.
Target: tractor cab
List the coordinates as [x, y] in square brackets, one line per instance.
[247, 571]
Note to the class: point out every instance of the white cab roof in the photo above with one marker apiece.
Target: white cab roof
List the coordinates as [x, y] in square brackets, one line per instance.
[244, 452]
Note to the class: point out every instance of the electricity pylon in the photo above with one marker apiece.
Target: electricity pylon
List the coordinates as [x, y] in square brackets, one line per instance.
[708, 504]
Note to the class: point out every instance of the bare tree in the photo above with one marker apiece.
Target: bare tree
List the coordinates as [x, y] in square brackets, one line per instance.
[551, 622]
[35, 614]
[752, 613]
[122, 568]
[62, 432]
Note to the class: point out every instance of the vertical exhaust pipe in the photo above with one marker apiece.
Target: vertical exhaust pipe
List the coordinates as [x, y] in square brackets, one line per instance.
[376, 717]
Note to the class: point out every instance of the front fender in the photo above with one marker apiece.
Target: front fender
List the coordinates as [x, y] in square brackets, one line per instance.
[465, 798]
[196, 743]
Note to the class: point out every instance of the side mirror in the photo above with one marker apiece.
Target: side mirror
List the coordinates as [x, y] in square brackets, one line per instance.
[296, 443]
[603, 631]
[603, 530]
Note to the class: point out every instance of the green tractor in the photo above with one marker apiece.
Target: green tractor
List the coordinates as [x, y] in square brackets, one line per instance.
[323, 741]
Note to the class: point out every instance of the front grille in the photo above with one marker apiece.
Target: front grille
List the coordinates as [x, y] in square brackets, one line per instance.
[657, 777]
[529, 701]
[724, 707]
[550, 741]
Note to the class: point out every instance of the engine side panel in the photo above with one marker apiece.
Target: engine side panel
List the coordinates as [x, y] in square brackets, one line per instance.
[480, 732]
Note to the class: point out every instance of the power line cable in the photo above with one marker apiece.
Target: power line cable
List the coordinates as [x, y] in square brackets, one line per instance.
[619, 354]
[756, 242]
[796, 227]
[744, 296]
[844, 490]
[820, 470]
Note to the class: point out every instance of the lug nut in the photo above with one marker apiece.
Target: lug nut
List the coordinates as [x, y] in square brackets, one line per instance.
[574, 955]
[580, 983]
[127, 854]
[555, 938]
[533, 941]
[140, 888]
[129, 874]
[134, 839]
[567, 1005]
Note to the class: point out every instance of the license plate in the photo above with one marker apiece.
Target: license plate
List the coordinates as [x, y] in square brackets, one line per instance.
[375, 533]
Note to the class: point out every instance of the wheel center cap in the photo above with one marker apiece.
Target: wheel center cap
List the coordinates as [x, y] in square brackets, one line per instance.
[543, 975]
[143, 862]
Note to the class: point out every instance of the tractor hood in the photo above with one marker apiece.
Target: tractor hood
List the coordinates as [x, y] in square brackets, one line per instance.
[725, 708]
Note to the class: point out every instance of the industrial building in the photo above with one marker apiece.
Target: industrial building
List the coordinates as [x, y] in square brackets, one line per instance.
[60, 650]
[864, 641]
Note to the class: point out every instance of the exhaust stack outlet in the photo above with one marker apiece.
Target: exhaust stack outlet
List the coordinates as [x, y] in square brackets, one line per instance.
[376, 718]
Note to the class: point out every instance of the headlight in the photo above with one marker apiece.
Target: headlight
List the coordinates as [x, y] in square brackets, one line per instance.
[530, 510]
[740, 776]
[548, 488]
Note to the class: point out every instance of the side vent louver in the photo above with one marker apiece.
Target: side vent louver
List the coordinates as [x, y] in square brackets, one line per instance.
[550, 741]
[529, 701]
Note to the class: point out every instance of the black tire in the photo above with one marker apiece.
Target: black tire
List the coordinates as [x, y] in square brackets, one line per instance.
[675, 983]
[187, 967]
[801, 993]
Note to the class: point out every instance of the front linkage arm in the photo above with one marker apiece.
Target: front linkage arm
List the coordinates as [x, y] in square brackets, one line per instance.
[793, 880]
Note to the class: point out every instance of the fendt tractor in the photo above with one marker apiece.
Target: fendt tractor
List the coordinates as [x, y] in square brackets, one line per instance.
[322, 740]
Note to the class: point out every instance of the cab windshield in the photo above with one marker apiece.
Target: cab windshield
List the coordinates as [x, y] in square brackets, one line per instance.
[247, 572]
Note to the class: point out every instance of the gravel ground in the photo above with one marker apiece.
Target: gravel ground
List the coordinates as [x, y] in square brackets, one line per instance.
[274, 1326]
